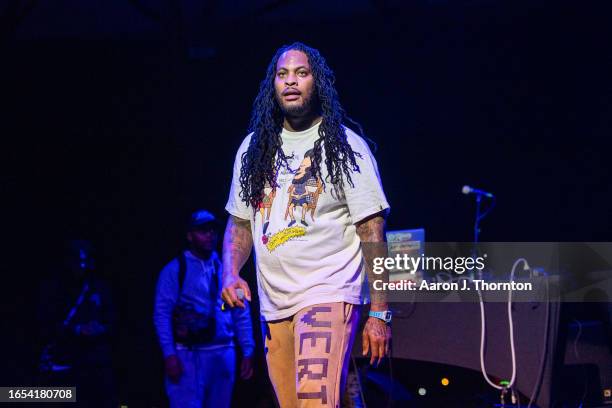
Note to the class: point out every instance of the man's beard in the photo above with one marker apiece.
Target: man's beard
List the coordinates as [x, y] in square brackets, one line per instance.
[307, 106]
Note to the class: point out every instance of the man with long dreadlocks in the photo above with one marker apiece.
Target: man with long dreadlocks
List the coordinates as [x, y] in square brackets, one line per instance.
[310, 273]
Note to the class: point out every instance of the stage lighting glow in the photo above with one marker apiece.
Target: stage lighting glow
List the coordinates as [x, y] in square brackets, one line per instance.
[422, 391]
[445, 381]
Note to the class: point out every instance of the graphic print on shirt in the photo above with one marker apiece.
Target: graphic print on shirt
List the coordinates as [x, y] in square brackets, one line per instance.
[266, 206]
[303, 194]
[304, 191]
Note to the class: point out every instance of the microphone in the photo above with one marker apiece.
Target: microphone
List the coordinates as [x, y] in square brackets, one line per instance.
[239, 295]
[470, 190]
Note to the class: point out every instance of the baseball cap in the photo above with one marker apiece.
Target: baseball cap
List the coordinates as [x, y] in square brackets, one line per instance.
[202, 218]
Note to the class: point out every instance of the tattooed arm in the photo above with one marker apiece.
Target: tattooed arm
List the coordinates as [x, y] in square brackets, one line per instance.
[376, 334]
[237, 244]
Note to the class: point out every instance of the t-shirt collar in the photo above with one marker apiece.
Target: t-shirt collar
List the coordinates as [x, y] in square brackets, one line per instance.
[311, 131]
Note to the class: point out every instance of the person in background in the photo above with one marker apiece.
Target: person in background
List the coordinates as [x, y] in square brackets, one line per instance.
[196, 336]
[76, 317]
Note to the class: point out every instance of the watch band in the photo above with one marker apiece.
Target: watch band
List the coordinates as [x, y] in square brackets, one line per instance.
[384, 315]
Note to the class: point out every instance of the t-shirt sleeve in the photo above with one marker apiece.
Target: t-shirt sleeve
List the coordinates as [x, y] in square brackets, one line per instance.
[367, 197]
[235, 206]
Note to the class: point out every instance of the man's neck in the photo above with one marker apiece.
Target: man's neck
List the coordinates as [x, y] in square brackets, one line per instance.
[301, 123]
[203, 255]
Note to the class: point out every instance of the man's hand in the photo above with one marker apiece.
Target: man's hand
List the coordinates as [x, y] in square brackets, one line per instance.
[230, 284]
[376, 338]
[246, 368]
[174, 368]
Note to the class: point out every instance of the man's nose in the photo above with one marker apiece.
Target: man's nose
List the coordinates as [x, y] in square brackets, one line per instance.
[291, 80]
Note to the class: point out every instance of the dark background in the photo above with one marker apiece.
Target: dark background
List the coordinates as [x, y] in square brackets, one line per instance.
[120, 119]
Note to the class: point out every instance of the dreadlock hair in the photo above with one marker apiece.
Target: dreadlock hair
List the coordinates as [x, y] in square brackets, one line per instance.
[265, 157]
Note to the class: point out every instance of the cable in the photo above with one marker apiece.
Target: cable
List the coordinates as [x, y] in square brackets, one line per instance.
[511, 326]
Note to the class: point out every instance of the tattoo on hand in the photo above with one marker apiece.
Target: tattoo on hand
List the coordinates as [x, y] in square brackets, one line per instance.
[376, 329]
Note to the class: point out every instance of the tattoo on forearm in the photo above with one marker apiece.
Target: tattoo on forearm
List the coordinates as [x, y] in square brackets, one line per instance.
[372, 230]
[372, 235]
[237, 244]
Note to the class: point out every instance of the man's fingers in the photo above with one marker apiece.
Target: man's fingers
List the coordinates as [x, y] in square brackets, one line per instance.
[377, 346]
[374, 350]
[381, 351]
[240, 293]
[365, 342]
[227, 296]
[247, 290]
[375, 339]
[224, 295]
[231, 296]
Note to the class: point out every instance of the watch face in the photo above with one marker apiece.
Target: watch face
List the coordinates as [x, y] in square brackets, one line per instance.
[387, 316]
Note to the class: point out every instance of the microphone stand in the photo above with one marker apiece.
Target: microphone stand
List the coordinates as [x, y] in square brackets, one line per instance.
[477, 218]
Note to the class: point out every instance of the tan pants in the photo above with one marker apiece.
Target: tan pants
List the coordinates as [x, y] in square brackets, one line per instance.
[308, 354]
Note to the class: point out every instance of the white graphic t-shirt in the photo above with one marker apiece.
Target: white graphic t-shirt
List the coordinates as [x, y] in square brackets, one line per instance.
[306, 246]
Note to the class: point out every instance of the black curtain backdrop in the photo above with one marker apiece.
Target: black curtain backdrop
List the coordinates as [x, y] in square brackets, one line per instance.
[118, 140]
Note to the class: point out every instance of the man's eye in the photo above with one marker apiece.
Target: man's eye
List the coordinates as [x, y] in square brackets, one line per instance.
[302, 73]
[281, 74]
